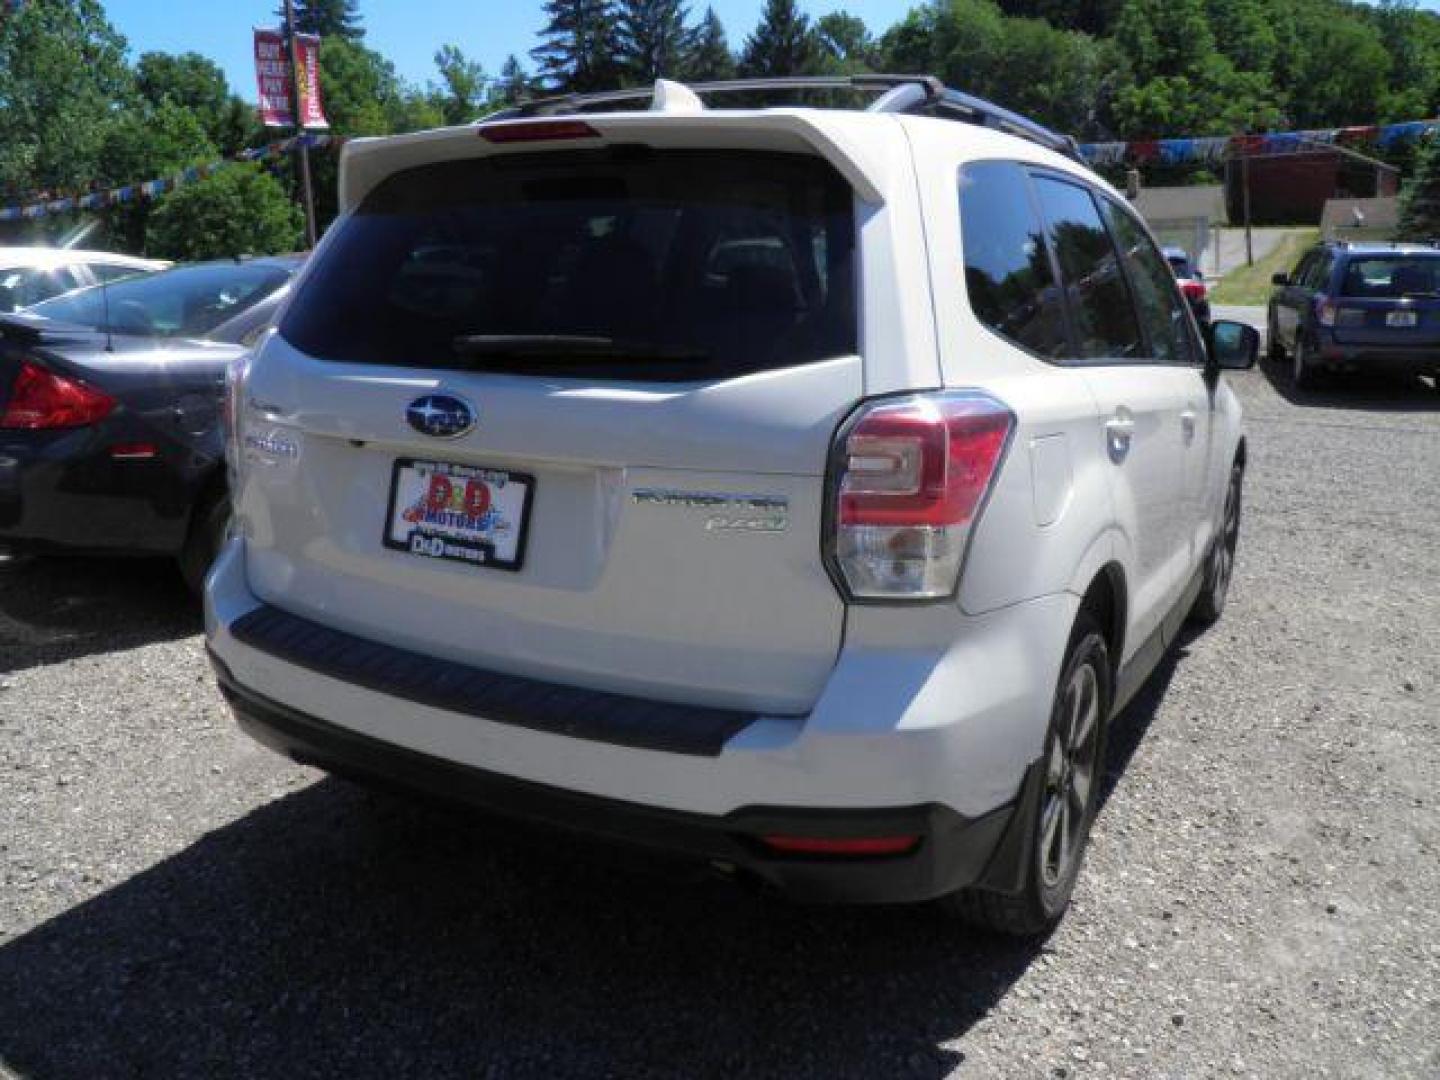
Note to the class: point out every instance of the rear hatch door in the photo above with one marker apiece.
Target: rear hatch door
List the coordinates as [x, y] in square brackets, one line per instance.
[567, 415]
[1390, 300]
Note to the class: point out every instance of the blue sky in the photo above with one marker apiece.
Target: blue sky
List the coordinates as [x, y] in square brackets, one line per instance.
[406, 31]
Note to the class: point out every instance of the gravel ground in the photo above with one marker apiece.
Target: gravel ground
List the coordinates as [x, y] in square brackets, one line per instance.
[1260, 898]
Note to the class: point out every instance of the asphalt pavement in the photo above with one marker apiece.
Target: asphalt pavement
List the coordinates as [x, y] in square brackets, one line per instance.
[1260, 899]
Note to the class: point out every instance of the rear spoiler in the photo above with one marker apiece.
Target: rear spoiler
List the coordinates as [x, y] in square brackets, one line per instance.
[29, 330]
[364, 163]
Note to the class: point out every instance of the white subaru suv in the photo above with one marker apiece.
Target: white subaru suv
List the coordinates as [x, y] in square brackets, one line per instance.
[800, 489]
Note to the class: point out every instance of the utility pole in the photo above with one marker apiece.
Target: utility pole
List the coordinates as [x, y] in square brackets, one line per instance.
[1245, 183]
[301, 149]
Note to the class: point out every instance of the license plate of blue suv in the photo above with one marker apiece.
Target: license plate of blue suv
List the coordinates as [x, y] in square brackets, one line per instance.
[460, 513]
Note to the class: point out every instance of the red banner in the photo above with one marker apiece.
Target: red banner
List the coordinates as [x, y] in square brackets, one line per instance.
[273, 74]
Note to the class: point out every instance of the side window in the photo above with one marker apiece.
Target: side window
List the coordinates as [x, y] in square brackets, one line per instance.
[113, 272]
[1007, 267]
[1319, 274]
[30, 286]
[1157, 298]
[1100, 305]
[1304, 267]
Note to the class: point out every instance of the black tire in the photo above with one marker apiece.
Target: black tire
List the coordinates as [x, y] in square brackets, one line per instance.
[1220, 560]
[1074, 755]
[208, 526]
[1302, 374]
[1274, 347]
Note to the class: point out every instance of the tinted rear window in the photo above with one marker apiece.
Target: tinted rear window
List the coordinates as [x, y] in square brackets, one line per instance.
[625, 263]
[1007, 267]
[1392, 277]
[188, 301]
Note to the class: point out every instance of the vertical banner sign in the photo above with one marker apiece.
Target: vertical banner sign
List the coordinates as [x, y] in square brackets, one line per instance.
[307, 57]
[272, 74]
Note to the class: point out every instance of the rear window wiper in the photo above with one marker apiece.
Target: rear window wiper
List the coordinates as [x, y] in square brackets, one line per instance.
[570, 347]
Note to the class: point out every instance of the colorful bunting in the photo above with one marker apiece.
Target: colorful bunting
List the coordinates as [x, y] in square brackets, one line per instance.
[150, 189]
[1212, 150]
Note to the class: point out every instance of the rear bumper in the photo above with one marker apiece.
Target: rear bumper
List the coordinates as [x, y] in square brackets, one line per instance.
[952, 851]
[1406, 359]
[908, 738]
[58, 493]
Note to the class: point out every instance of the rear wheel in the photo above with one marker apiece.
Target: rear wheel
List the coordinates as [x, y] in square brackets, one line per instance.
[1220, 563]
[1275, 349]
[1067, 797]
[1302, 374]
[208, 526]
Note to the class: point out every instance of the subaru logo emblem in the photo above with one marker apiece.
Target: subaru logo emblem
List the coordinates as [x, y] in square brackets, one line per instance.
[443, 416]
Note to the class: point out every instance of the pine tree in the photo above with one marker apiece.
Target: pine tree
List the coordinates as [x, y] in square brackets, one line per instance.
[652, 38]
[783, 43]
[579, 46]
[328, 18]
[514, 85]
[1420, 205]
[707, 52]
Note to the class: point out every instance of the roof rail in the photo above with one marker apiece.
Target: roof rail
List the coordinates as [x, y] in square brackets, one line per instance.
[922, 95]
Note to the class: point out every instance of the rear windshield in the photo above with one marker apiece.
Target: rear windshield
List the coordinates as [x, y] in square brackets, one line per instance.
[621, 263]
[1392, 276]
[188, 301]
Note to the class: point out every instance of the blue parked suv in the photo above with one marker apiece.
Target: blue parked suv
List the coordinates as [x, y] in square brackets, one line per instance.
[1358, 307]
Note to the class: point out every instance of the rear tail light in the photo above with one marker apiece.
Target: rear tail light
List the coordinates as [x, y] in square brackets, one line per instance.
[537, 131]
[909, 479]
[231, 416]
[1325, 310]
[40, 399]
[855, 847]
[1193, 290]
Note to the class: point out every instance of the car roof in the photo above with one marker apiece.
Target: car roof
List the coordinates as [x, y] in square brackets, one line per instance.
[14, 257]
[290, 262]
[1175, 253]
[1379, 247]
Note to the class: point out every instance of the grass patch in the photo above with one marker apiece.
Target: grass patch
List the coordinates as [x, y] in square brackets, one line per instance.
[1249, 286]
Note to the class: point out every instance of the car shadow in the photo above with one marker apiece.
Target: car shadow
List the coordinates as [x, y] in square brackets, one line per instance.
[1374, 391]
[57, 609]
[340, 932]
[1128, 728]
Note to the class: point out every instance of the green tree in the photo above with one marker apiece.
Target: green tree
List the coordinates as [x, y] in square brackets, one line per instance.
[464, 80]
[239, 210]
[845, 40]
[782, 44]
[651, 38]
[707, 53]
[513, 86]
[1094, 17]
[328, 18]
[62, 78]
[198, 84]
[1340, 74]
[148, 142]
[1420, 203]
[579, 46]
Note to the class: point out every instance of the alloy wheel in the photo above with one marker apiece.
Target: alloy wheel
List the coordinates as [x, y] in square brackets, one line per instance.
[1070, 776]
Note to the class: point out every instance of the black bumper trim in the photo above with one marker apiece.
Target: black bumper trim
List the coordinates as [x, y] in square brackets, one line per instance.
[953, 852]
[487, 695]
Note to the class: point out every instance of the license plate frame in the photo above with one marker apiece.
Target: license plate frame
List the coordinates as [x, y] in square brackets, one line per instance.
[1402, 320]
[450, 543]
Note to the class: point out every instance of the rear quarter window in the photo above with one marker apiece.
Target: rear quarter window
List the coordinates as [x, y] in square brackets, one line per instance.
[1008, 275]
[619, 263]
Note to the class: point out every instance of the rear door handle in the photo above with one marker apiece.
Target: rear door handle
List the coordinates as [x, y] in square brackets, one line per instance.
[1187, 425]
[1119, 432]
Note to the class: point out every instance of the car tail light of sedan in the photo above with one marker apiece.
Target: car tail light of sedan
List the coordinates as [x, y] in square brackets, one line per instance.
[1192, 289]
[1325, 310]
[40, 399]
[908, 481]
